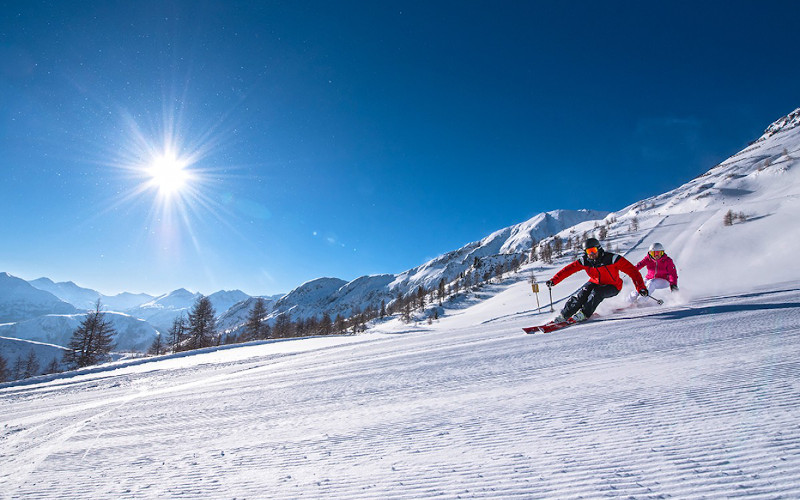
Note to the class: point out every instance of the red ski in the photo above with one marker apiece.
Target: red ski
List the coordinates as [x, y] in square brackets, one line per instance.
[550, 327]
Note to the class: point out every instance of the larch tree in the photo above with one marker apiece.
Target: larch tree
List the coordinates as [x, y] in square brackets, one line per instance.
[157, 348]
[4, 374]
[177, 333]
[202, 326]
[92, 341]
[254, 327]
[31, 365]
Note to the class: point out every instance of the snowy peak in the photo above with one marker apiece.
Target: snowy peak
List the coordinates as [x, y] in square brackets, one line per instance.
[176, 299]
[225, 299]
[502, 245]
[85, 298]
[82, 298]
[125, 300]
[313, 293]
[543, 225]
[787, 122]
[20, 301]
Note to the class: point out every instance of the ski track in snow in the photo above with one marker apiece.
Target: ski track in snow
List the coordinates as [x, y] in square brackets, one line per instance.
[686, 401]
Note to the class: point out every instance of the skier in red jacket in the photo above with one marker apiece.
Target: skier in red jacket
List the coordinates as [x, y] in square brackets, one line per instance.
[604, 281]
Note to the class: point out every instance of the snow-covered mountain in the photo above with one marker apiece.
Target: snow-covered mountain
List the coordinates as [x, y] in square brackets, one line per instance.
[33, 311]
[162, 310]
[783, 124]
[85, 298]
[338, 297]
[81, 298]
[45, 355]
[236, 315]
[758, 189]
[225, 299]
[500, 246]
[20, 301]
[133, 334]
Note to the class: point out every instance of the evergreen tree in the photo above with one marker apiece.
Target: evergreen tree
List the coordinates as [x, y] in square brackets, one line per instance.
[92, 341]
[339, 324]
[534, 247]
[421, 297]
[406, 312]
[31, 365]
[18, 369]
[157, 348]
[53, 367]
[312, 325]
[4, 373]
[202, 328]
[546, 253]
[326, 324]
[177, 333]
[283, 326]
[254, 327]
[383, 309]
[558, 246]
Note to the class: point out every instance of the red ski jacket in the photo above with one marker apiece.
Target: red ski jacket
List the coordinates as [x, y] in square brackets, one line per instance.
[604, 270]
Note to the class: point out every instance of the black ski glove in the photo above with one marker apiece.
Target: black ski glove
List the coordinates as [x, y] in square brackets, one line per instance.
[643, 292]
[549, 283]
[673, 288]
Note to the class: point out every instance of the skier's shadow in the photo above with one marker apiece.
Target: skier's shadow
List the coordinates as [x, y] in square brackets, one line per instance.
[722, 309]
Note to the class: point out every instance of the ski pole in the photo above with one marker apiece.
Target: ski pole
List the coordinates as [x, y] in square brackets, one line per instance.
[550, 289]
[659, 301]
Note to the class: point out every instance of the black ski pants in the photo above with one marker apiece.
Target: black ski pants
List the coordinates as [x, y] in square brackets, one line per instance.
[588, 298]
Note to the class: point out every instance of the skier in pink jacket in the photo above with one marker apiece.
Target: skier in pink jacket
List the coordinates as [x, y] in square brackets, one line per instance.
[661, 271]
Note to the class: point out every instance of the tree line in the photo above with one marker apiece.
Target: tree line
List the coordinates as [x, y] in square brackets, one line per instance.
[25, 367]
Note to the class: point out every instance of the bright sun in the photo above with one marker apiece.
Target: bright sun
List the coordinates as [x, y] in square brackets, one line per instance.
[168, 173]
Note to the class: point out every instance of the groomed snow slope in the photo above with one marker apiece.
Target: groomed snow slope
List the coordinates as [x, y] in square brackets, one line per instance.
[683, 401]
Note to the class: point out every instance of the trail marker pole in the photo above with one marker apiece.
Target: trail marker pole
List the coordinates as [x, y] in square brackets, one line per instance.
[535, 288]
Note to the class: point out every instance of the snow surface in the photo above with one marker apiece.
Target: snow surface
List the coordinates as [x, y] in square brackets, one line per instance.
[685, 401]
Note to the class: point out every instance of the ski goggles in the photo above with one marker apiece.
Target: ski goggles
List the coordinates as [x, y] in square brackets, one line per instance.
[656, 254]
[592, 251]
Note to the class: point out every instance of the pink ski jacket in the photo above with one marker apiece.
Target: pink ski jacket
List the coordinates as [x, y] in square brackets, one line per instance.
[662, 268]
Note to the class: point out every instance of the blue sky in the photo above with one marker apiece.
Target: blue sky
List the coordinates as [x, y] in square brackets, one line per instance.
[351, 138]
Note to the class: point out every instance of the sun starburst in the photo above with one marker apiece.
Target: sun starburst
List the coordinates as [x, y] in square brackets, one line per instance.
[169, 174]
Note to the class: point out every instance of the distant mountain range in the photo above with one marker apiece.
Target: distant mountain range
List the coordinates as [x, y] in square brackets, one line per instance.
[48, 312]
[45, 311]
[85, 298]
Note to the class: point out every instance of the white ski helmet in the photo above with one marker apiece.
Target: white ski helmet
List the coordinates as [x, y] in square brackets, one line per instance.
[656, 247]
